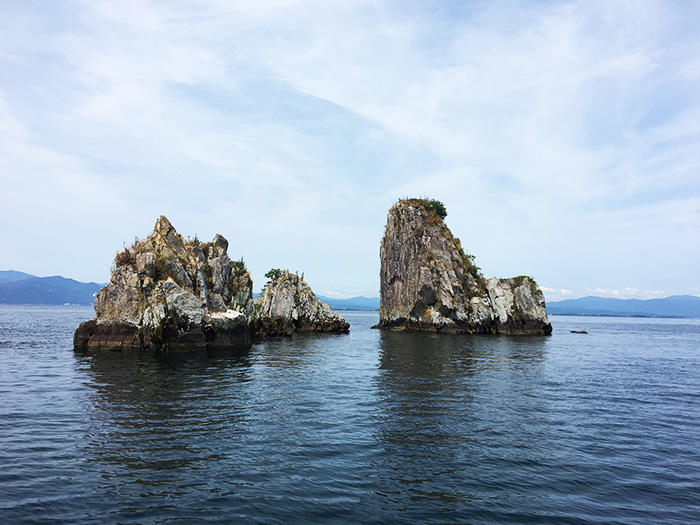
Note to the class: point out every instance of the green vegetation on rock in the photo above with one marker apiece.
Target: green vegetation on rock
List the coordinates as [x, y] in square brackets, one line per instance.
[124, 257]
[431, 204]
[534, 289]
[238, 267]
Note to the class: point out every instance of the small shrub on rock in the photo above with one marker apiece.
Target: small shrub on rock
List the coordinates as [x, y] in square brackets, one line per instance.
[431, 204]
[125, 257]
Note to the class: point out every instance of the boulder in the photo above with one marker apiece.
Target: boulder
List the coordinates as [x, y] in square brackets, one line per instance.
[288, 305]
[428, 282]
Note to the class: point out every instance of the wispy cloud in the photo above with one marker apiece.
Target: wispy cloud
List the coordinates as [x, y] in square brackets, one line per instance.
[562, 136]
[627, 293]
[558, 294]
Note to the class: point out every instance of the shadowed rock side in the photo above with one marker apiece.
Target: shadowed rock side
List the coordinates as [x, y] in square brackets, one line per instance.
[429, 283]
[288, 305]
[166, 293]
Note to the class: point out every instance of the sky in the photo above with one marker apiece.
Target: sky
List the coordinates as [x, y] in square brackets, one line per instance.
[563, 137]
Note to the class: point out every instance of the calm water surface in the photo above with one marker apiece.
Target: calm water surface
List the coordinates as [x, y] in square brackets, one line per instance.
[367, 427]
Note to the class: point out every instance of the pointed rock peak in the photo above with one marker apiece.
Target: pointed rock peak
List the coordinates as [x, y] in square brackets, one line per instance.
[163, 225]
[165, 233]
[221, 242]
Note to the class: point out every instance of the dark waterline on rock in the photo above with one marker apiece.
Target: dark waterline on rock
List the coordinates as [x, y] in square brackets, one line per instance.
[368, 427]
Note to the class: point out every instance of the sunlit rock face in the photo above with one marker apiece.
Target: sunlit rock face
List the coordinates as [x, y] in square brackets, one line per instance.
[166, 293]
[429, 283]
[288, 305]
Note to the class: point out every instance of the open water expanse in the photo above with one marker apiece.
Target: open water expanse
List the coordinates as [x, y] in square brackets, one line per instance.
[368, 427]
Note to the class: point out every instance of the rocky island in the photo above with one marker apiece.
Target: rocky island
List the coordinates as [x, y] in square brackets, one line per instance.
[288, 305]
[429, 283]
[166, 293]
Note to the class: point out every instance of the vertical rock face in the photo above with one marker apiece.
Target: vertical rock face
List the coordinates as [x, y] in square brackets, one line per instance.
[166, 293]
[288, 305]
[429, 283]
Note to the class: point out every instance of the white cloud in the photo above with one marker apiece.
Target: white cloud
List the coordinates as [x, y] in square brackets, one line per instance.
[562, 137]
[627, 293]
[559, 294]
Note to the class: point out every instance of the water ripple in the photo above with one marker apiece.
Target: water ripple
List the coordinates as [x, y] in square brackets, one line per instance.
[372, 427]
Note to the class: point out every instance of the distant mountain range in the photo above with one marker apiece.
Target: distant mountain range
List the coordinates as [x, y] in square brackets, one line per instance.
[9, 276]
[23, 288]
[674, 306]
[352, 303]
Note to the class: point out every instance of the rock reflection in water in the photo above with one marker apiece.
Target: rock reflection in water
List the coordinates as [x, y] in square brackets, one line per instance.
[450, 403]
[369, 427]
[154, 414]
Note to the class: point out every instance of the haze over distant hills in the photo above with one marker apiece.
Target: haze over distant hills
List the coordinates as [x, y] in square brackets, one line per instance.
[673, 306]
[352, 303]
[9, 276]
[23, 288]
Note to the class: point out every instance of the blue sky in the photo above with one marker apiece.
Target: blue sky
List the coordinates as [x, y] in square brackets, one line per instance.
[563, 137]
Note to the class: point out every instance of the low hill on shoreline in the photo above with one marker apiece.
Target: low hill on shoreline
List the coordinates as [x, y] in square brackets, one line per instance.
[673, 306]
[24, 288]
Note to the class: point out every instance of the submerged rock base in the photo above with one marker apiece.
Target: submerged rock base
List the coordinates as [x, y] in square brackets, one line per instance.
[220, 333]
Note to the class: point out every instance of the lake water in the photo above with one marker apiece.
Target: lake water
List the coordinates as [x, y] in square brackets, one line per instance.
[368, 427]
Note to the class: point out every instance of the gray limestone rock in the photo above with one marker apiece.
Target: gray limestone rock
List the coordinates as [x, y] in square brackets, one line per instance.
[428, 282]
[287, 305]
[167, 293]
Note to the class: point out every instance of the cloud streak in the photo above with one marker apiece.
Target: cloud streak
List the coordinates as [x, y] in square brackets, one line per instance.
[562, 136]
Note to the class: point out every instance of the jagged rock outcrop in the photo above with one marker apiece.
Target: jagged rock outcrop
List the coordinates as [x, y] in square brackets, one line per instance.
[168, 293]
[288, 305]
[429, 283]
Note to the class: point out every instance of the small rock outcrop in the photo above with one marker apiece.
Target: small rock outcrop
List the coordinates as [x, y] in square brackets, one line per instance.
[168, 293]
[429, 283]
[288, 305]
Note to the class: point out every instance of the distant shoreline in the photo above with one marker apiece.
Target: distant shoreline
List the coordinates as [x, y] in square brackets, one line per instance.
[634, 316]
[557, 314]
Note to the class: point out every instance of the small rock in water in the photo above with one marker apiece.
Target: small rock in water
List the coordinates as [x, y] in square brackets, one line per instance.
[287, 305]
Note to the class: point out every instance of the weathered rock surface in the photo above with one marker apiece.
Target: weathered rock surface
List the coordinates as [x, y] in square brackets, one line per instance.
[167, 293]
[288, 305]
[429, 283]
